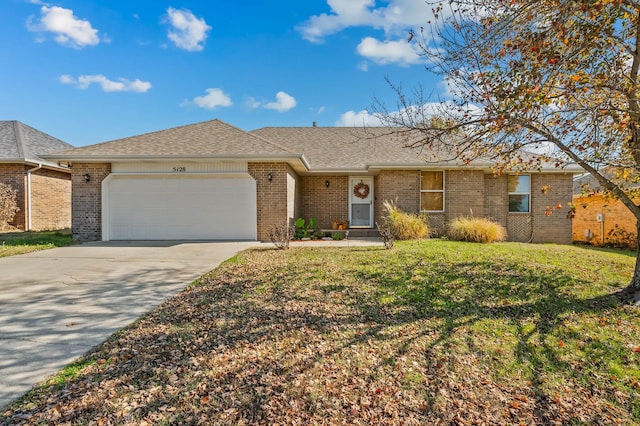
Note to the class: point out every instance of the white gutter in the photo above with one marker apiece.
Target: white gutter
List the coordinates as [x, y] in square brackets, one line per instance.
[38, 167]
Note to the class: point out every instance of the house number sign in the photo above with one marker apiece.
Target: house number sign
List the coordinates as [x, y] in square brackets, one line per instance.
[179, 169]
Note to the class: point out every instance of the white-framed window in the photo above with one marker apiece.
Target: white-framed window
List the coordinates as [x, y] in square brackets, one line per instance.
[432, 191]
[519, 193]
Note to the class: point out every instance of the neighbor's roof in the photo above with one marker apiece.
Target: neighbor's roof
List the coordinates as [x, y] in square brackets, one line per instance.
[20, 143]
[209, 139]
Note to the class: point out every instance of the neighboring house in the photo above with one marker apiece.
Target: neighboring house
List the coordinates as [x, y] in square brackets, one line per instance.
[211, 180]
[600, 219]
[43, 187]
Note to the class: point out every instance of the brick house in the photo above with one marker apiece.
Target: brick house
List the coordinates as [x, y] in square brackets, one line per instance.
[211, 180]
[43, 187]
[600, 219]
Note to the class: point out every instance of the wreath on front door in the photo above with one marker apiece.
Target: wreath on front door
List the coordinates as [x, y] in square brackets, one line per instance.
[361, 190]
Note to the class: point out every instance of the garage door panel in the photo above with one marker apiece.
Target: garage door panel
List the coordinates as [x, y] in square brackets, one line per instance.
[158, 208]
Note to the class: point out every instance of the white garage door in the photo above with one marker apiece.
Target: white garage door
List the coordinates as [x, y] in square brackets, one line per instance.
[221, 207]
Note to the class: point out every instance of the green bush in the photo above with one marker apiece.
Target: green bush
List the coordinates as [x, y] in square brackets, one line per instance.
[403, 225]
[476, 229]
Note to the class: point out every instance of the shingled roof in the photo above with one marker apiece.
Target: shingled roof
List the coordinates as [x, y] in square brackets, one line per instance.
[20, 143]
[213, 139]
[307, 149]
[356, 148]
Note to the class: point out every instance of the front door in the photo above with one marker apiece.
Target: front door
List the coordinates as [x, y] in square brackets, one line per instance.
[361, 202]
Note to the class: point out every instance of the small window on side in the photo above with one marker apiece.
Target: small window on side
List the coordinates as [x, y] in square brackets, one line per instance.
[519, 193]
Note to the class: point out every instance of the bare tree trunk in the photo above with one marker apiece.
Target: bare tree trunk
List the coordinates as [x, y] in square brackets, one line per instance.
[634, 286]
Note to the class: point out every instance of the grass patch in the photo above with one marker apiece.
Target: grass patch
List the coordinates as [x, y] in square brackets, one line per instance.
[432, 332]
[13, 243]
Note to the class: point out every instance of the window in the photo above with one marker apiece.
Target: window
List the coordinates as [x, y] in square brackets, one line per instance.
[519, 193]
[432, 191]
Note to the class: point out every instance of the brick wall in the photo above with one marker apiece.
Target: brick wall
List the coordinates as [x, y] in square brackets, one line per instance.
[322, 203]
[401, 186]
[50, 200]
[616, 218]
[86, 213]
[555, 228]
[496, 193]
[15, 175]
[464, 193]
[535, 226]
[272, 196]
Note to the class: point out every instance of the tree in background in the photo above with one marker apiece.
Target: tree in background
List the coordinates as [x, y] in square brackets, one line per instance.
[555, 78]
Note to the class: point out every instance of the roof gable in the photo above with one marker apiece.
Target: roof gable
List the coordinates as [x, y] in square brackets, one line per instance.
[206, 139]
[22, 143]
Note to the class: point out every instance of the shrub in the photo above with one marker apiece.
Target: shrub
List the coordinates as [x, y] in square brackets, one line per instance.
[280, 235]
[621, 238]
[304, 229]
[8, 205]
[476, 229]
[386, 235]
[403, 225]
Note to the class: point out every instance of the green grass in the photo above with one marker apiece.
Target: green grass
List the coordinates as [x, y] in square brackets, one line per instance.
[432, 331]
[15, 243]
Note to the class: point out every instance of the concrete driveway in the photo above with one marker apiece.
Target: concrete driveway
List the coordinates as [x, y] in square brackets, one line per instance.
[57, 304]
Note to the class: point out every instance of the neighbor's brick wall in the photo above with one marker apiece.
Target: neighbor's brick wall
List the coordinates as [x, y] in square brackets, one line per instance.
[272, 196]
[401, 186]
[615, 213]
[50, 200]
[15, 175]
[322, 203]
[557, 227]
[86, 213]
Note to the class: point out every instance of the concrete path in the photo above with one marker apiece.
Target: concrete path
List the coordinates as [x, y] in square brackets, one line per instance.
[57, 304]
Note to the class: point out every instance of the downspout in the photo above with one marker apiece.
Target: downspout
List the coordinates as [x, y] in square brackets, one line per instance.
[38, 167]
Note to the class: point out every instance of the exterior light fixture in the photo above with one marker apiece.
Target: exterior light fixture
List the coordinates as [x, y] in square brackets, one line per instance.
[87, 177]
[327, 183]
[269, 176]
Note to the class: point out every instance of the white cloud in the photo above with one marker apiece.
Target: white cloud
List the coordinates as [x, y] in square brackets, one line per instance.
[358, 119]
[284, 102]
[188, 32]
[410, 115]
[68, 29]
[389, 52]
[252, 103]
[121, 85]
[214, 98]
[396, 17]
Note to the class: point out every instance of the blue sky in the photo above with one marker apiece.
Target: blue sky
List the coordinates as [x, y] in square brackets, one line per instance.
[88, 71]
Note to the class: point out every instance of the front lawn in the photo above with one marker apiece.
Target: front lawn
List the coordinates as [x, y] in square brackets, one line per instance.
[431, 332]
[13, 243]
